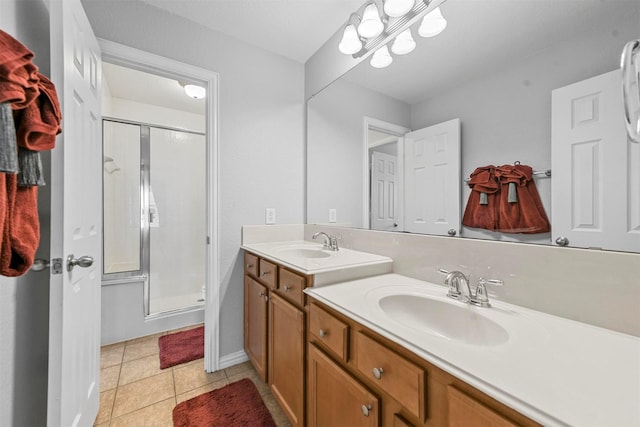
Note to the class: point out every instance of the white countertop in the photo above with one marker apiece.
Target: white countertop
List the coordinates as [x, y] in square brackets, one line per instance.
[556, 371]
[284, 253]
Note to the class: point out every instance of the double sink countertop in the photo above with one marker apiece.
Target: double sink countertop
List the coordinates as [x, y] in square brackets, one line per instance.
[556, 371]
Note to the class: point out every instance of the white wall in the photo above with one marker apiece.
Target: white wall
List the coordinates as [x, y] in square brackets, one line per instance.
[24, 302]
[335, 148]
[261, 129]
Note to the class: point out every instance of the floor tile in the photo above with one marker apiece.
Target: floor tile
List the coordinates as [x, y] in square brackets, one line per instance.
[109, 377]
[142, 393]
[193, 376]
[139, 369]
[111, 356]
[201, 390]
[140, 349]
[157, 415]
[145, 338]
[239, 369]
[106, 405]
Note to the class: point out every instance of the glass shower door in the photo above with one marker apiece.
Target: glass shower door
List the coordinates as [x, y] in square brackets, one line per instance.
[176, 218]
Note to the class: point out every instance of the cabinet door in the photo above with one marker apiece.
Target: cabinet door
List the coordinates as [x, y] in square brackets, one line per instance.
[336, 398]
[465, 411]
[255, 324]
[286, 357]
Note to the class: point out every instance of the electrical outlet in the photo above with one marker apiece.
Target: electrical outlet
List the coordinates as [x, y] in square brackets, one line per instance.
[270, 216]
[332, 215]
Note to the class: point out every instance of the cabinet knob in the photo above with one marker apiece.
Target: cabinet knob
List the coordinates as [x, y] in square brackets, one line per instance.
[264, 273]
[377, 372]
[366, 409]
[249, 265]
[323, 333]
[286, 288]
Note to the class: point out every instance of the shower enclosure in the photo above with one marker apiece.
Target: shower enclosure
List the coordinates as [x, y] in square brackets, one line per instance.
[154, 189]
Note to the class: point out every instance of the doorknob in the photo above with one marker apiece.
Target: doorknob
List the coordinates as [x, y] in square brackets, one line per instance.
[83, 261]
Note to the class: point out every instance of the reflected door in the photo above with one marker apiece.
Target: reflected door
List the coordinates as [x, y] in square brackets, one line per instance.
[384, 191]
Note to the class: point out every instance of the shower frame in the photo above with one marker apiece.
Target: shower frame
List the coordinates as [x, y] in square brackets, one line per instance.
[144, 273]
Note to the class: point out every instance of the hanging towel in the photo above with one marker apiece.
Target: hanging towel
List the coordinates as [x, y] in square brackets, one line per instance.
[21, 231]
[30, 166]
[38, 124]
[8, 157]
[522, 212]
[18, 75]
[481, 209]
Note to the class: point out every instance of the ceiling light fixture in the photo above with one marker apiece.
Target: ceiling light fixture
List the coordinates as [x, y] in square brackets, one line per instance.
[432, 24]
[195, 91]
[404, 43]
[363, 36]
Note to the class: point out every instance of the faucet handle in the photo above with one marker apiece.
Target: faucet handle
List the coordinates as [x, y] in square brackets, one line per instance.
[481, 298]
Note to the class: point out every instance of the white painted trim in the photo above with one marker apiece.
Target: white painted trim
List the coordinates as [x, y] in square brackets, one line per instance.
[233, 359]
[119, 54]
[393, 129]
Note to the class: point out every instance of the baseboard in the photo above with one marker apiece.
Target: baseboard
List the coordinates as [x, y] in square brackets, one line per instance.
[232, 359]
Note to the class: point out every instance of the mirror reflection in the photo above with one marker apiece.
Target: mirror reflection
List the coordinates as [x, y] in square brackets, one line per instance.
[493, 71]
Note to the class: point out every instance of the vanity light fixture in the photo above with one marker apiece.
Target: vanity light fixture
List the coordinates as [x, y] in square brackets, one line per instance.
[397, 8]
[371, 24]
[350, 42]
[403, 43]
[432, 24]
[381, 58]
[375, 29]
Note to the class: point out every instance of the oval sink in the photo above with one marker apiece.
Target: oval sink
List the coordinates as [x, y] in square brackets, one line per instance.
[303, 251]
[444, 319]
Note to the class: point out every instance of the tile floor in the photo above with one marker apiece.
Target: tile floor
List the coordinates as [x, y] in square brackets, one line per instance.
[134, 391]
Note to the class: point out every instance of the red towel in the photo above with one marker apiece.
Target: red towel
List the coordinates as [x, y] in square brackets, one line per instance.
[18, 75]
[527, 214]
[21, 232]
[39, 123]
[482, 180]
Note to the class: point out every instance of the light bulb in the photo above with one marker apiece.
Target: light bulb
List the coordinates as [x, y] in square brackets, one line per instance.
[432, 24]
[403, 43]
[381, 58]
[350, 42]
[371, 25]
[195, 91]
[397, 8]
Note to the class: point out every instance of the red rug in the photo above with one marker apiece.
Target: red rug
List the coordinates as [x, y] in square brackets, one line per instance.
[181, 347]
[236, 405]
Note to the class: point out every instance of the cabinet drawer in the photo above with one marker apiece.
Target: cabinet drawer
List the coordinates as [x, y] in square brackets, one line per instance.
[251, 264]
[328, 330]
[291, 286]
[397, 376]
[268, 273]
[465, 410]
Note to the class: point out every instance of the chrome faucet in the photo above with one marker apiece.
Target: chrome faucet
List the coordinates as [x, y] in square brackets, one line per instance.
[460, 289]
[330, 242]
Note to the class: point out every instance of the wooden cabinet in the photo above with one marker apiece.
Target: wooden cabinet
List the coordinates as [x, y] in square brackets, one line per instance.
[286, 357]
[410, 390]
[338, 399]
[275, 331]
[255, 324]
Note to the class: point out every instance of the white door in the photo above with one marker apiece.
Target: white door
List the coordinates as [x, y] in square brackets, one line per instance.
[432, 179]
[384, 191]
[595, 189]
[76, 204]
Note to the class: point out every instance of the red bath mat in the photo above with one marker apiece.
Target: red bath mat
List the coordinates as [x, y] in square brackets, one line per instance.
[235, 405]
[181, 347]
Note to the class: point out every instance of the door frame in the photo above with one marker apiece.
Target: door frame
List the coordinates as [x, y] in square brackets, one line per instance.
[391, 129]
[126, 56]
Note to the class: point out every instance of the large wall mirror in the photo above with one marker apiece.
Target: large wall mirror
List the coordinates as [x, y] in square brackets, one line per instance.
[493, 70]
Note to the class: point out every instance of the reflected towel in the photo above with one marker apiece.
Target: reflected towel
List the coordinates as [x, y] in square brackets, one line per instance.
[8, 158]
[481, 209]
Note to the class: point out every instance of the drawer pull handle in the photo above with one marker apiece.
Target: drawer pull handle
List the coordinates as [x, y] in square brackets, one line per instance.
[377, 372]
[264, 273]
[366, 409]
[287, 288]
[262, 294]
[323, 333]
[249, 265]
